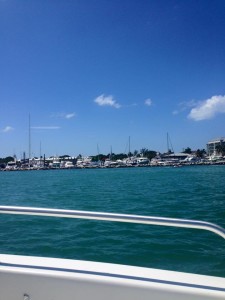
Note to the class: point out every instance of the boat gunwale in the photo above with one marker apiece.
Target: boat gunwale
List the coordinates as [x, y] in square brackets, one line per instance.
[155, 277]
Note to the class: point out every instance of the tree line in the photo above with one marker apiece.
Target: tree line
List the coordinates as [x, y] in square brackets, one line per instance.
[113, 156]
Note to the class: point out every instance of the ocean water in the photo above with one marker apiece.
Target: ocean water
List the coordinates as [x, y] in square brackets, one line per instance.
[193, 192]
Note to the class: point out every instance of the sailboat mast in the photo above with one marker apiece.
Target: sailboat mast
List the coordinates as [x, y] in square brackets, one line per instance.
[169, 144]
[129, 147]
[98, 152]
[29, 139]
[40, 150]
[167, 138]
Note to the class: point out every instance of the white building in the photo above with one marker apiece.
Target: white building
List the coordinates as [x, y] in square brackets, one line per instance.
[212, 145]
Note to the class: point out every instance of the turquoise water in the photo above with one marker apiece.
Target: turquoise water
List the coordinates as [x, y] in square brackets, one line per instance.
[194, 192]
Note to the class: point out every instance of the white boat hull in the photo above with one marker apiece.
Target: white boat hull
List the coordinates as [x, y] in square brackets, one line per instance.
[36, 278]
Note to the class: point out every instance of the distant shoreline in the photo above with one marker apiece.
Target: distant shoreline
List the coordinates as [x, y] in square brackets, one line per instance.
[180, 165]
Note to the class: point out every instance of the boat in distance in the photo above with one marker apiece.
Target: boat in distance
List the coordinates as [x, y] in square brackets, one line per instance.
[33, 278]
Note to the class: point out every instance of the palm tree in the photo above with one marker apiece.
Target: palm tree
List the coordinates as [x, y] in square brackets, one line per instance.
[143, 151]
[200, 153]
[187, 150]
[220, 149]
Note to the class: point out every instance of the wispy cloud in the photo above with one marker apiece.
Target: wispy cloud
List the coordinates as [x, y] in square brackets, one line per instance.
[103, 100]
[183, 106]
[148, 102]
[130, 105]
[70, 116]
[46, 127]
[208, 109]
[7, 129]
[63, 115]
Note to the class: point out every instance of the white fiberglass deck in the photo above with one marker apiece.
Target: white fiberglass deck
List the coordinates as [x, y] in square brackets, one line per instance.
[34, 278]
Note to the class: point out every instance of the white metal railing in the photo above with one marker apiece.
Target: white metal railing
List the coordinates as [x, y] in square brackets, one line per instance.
[113, 217]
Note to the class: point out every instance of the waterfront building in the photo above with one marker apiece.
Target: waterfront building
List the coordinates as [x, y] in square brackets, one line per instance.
[212, 145]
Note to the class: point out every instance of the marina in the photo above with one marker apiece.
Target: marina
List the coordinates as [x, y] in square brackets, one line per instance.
[215, 155]
[86, 162]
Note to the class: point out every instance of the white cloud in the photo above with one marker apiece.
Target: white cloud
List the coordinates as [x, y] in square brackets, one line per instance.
[7, 129]
[148, 102]
[208, 109]
[103, 100]
[46, 127]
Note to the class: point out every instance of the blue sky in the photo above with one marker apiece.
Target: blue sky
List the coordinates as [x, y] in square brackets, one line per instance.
[92, 73]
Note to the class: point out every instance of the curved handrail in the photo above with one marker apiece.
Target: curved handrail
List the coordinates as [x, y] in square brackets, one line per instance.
[114, 217]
